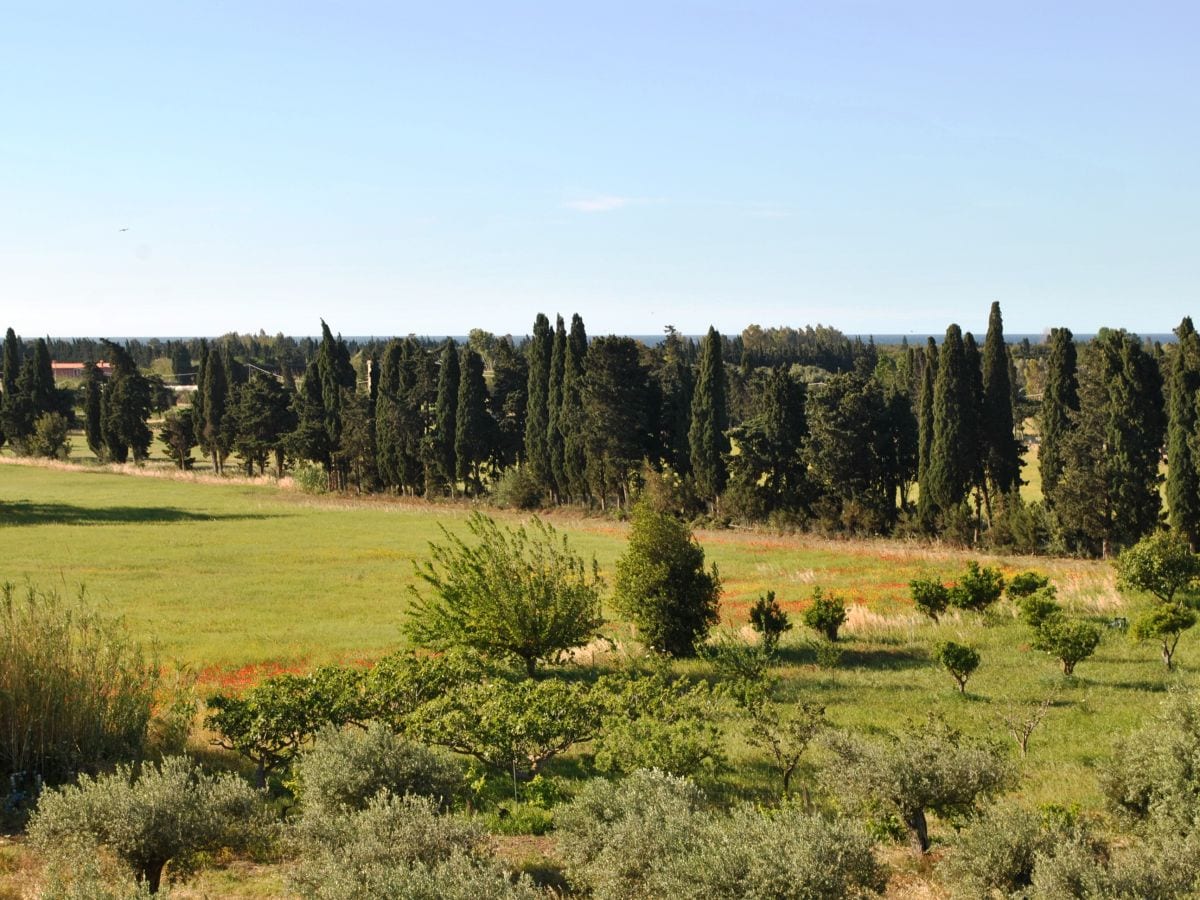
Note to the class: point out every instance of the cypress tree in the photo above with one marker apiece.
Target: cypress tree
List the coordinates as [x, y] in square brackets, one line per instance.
[336, 375]
[1183, 477]
[926, 510]
[445, 425]
[310, 440]
[215, 391]
[93, 386]
[510, 381]
[972, 406]
[12, 364]
[472, 436]
[951, 454]
[1002, 452]
[388, 440]
[615, 401]
[555, 445]
[707, 436]
[674, 379]
[571, 418]
[537, 413]
[1060, 399]
[125, 407]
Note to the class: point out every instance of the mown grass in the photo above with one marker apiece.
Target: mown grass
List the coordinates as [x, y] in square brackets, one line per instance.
[237, 579]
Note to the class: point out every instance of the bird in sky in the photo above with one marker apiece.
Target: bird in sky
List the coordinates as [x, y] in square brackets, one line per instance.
[122, 229]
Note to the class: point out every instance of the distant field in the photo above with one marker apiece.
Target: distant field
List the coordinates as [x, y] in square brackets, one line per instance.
[236, 579]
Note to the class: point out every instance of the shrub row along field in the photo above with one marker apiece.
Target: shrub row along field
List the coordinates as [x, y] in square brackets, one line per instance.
[239, 581]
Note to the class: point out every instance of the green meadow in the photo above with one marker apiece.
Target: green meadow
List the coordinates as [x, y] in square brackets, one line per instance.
[235, 579]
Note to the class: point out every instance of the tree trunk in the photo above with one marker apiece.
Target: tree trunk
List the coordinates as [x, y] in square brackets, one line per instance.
[918, 829]
[152, 875]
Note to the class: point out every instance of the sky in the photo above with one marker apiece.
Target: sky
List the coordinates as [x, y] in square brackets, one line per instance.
[883, 167]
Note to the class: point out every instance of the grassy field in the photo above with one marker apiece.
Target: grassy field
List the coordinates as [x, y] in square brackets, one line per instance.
[237, 579]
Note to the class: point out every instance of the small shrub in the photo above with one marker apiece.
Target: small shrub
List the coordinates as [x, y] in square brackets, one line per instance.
[311, 477]
[1039, 607]
[1068, 641]
[345, 769]
[516, 488]
[826, 615]
[1165, 623]
[787, 853]
[977, 588]
[743, 669]
[829, 655]
[959, 660]
[929, 596]
[768, 618]
[394, 847]
[997, 852]
[615, 835]
[49, 438]
[161, 814]
[519, 818]
[1025, 583]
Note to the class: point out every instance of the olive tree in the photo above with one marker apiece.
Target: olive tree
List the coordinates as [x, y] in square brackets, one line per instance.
[147, 817]
[519, 593]
[929, 767]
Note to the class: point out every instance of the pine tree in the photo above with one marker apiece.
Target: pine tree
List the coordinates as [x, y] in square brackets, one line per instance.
[951, 453]
[510, 383]
[770, 472]
[473, 425]
[572, 420]
[707, 437]
[445, 423]
[1183, 472]
[262, 420]
[927, 509]
[1060, 400]
[1002, 452]
[555, 445]
[537, 413]
[125, 406]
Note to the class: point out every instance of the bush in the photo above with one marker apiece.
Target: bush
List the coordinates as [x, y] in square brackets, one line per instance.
[959, 660]
[395, 847]
[1068, 641]
[345, 769]
[615, 835]
[662, 585]
[997, 852]
[49, 438]
[1026, 583]
[929, 596]
[53, 720]
[516, 488]
[161, 814]
[1039, 607]
[977, 588]
[787, 853]
[768, 619]
[311, 477]
[520, 818]
[826, 615]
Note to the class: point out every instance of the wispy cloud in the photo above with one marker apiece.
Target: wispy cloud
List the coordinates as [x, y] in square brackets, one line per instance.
[601, 203]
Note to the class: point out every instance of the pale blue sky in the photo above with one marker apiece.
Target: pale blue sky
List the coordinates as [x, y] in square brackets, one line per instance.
[879, 166]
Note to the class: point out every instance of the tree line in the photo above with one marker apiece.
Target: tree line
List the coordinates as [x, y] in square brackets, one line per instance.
[800, 428]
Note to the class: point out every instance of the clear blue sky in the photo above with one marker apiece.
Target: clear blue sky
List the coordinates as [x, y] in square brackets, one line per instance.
[429, 167]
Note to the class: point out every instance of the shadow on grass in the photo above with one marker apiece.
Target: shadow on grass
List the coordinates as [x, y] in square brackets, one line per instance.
[24, 512]
[876, 658]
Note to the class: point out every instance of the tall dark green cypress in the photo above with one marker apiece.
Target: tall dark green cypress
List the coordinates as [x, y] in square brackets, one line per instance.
[707, 437]
[673, 377]
[555, 445]
[337, 376]
[445, 425]
[215, 391]
[926, 509]
[951, 454]
[972, 406]
[537, 411]
[93, 387]
[1183, 477]
[388, 441]
[1002, 458]
[12, 364]
[473, 424]
[571, 418]
[1060, 399]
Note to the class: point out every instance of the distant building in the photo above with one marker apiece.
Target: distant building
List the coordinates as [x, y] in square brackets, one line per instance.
[76, 369]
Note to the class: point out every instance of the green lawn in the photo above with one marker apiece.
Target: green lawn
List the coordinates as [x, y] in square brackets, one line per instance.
[226, 576]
